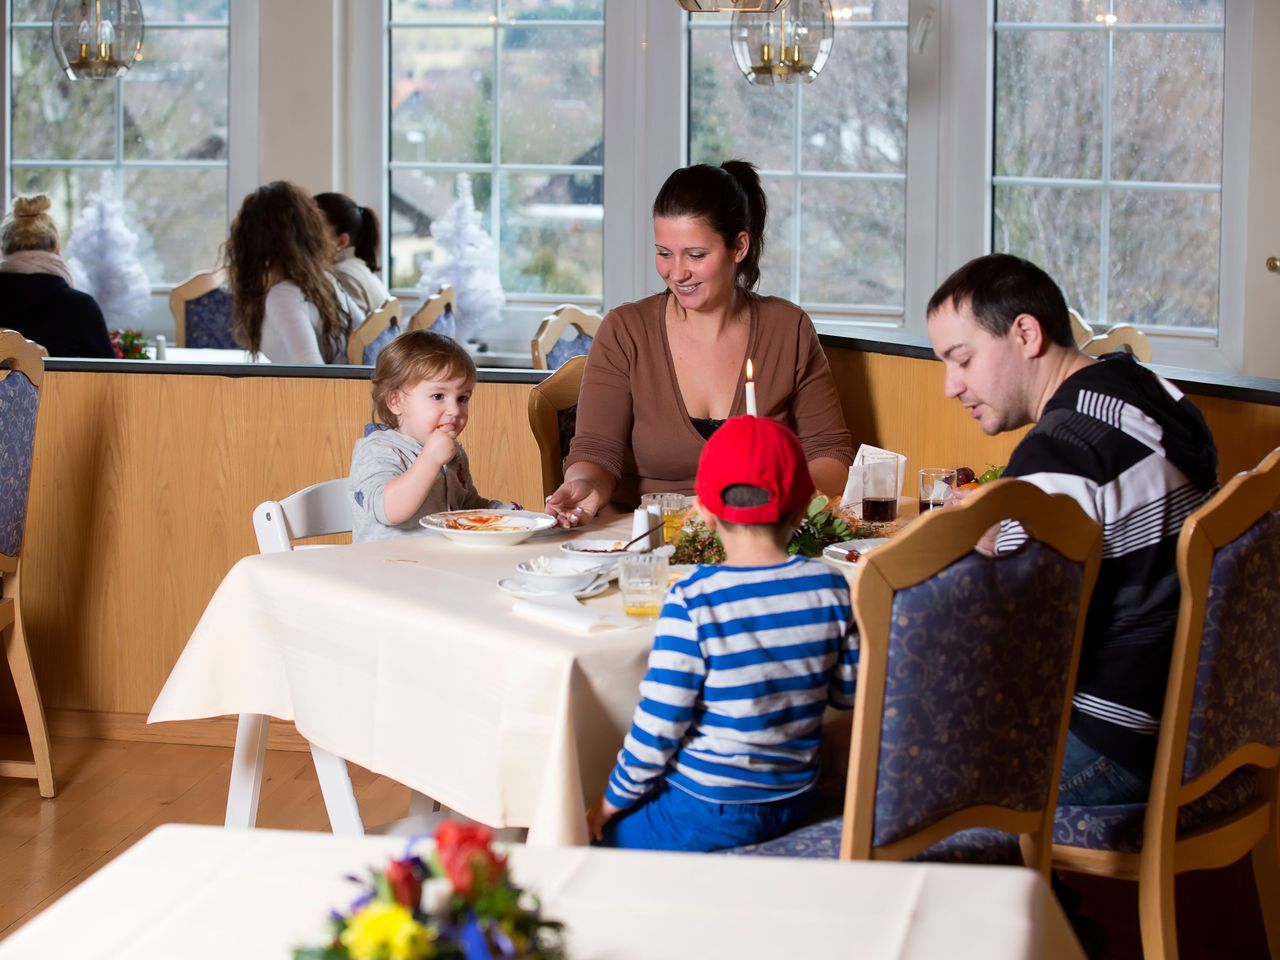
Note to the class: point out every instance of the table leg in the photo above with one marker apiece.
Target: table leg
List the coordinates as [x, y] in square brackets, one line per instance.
[246, 771]
[339, 798]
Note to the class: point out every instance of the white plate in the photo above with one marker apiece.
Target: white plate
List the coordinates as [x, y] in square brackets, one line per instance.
[837, 552]
[604, 549]
[518, 588]
[508, 527]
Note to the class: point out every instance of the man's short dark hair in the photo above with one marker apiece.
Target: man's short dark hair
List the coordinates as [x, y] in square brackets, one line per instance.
[998, 288]
[747, 495]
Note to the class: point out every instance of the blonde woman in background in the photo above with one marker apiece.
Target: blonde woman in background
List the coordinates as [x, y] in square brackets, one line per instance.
[36, 296]
[358, 237]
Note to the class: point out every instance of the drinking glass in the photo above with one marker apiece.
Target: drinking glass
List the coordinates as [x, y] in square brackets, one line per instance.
[935, 488]
[880, 487]
[642, 578]
[671, 507]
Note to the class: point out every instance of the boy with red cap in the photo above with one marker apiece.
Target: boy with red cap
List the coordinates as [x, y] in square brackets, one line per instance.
[723, 747]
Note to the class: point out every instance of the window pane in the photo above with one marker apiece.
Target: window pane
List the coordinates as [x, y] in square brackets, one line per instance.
[1059, 229]
[55, 118]
[728, 117]
[441, 91]
[553, 9]
[552, 95]
[68, 190]
[1164, 258]
[853, 242]
[418, 198]
[1049, 103]
[442, 9]
[1048, 11]
[1169, 11]
[175, 100]
[183, 212]
[1167, 109]
[552, 241]
[775, 265]
[183, 11]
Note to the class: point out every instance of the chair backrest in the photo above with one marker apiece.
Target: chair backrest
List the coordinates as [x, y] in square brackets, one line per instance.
[379, 328]
[553, 417]
[201, 308]
[1222, 704]
[439, 312]
[965, 672]
[19, 404]
[313, 511]
[1081, 332]
[1122, 336]
[550, 348]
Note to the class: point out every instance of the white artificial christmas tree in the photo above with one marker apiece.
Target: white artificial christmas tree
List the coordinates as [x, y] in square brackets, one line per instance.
[103, 258]
[468, 260]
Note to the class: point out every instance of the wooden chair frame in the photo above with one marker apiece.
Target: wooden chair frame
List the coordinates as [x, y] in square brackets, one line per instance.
[434, 309]
[558, 392]
[1123, 336]
[389, 313]
[24, 357]
[1254, 830]
[194, 287]
[1081, 332]
[928, 546]
[553, 326]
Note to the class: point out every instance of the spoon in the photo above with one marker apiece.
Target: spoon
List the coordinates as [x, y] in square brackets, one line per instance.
[648, 533]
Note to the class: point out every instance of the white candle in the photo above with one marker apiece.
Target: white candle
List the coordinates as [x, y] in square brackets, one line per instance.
[751, 391]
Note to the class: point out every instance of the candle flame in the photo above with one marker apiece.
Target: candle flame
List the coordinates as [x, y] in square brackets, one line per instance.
[749, 368]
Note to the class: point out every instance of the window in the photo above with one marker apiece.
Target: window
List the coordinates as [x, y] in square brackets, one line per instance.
[156, 139]
[511, 93]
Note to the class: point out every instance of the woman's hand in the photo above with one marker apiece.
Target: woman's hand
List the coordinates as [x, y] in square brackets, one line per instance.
[573, 502]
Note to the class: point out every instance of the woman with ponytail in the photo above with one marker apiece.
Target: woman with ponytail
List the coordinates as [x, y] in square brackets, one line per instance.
[36, 296]
[358, 237]
[666, 371]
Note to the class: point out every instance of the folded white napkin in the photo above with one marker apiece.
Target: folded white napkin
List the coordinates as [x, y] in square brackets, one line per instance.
[563, 610]
[852, 496]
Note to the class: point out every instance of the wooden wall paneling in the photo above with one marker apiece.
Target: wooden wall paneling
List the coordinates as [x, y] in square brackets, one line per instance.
[1244, 432]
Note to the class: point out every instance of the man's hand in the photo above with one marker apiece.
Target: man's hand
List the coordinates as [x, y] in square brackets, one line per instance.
[601, 812]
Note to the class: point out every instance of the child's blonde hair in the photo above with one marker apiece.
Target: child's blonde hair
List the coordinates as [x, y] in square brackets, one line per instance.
[29, 226]
[413, 357]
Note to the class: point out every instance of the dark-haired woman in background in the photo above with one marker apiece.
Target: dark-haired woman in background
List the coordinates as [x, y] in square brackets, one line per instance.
[358, 237]
[285, 302]
[666, 371]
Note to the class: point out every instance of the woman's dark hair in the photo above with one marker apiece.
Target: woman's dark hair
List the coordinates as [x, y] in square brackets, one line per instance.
[359, 223]
[280, 234]
[729, 199]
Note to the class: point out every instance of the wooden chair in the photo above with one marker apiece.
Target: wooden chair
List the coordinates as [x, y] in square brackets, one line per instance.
[379, 328]
[1081, 332]
[965, 672]
[549, 346]
[1214, 787]
[553, 415]
[441, 308]
[19, 402]
[201, 308]
[1122, 336]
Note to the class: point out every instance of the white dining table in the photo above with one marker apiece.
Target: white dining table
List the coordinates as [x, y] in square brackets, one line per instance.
[205, 893]
[404, 657]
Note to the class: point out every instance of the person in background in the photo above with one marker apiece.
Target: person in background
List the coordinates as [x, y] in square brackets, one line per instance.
[36, 296]
[1131, 450]
[409, 463]
[666, 371]
[723, 747]
[358, 238]
[285, 302]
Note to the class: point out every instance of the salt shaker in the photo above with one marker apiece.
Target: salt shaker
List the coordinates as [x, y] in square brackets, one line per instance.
[641, 523]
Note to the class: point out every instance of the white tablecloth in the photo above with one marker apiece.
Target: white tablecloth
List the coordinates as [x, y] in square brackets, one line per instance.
[404, 657]
[202, 892]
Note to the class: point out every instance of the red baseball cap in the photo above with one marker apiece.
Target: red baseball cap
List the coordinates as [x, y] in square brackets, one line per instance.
[761, 453]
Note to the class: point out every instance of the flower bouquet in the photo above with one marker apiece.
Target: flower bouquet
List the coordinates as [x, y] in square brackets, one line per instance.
[457, 904]
[129, 344]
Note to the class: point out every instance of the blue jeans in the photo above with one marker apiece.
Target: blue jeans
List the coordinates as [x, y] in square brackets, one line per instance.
[670, 819]
[1090, 779]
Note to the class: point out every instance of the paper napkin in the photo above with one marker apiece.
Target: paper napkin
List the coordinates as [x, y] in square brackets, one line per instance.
[852, 497]
[565, 611]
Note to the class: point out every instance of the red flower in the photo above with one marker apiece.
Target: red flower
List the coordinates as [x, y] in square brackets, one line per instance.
[406, 885]
[465, 855]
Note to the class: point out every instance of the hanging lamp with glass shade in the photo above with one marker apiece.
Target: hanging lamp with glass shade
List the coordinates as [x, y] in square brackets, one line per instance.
[97, 39]
[717, 6]
[789, 46]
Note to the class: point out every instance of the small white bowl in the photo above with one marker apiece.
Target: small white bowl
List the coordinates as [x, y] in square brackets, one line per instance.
[568, 574]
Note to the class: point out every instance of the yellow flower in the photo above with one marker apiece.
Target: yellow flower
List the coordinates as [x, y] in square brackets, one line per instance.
[386, 931]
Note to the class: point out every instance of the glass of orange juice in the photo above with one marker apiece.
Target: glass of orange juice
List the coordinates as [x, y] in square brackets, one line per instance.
[672, 508]
[642, 578]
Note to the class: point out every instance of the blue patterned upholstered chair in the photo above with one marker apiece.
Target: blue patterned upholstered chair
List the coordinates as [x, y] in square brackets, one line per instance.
[19, 402]
[1214, 787]
[964, 678]
[553, 409]
[439, 313]
[568, 332]
[201, 308]
[379, 328]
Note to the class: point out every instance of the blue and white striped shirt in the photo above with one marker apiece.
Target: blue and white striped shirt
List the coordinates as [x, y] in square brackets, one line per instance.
[744, 662]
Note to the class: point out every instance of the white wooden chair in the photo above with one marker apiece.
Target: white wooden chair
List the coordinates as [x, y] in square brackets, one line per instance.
[1123, 336]
[1081, 332]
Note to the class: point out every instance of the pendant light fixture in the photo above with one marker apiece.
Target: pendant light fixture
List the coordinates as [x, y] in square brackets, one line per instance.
[718, 6]
[97, 39]
[789, 46]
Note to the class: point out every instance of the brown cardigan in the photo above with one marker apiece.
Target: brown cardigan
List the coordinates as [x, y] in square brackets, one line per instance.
[632, 419]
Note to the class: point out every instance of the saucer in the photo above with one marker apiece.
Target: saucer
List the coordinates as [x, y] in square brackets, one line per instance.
[518, 588]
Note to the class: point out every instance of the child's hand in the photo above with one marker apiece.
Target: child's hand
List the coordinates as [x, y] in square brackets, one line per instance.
[601, 812]
[442, 444]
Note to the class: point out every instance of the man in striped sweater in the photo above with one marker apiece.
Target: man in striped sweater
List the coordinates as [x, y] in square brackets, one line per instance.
[723, 747]
[1124, 444]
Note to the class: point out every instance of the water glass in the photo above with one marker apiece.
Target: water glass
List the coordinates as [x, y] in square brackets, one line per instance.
[880, 487]
[642, 578]
[935, 487]
[671, 508]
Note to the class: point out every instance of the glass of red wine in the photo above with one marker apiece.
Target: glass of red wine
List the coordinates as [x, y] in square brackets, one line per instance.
[881, 484]
[935, 487]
